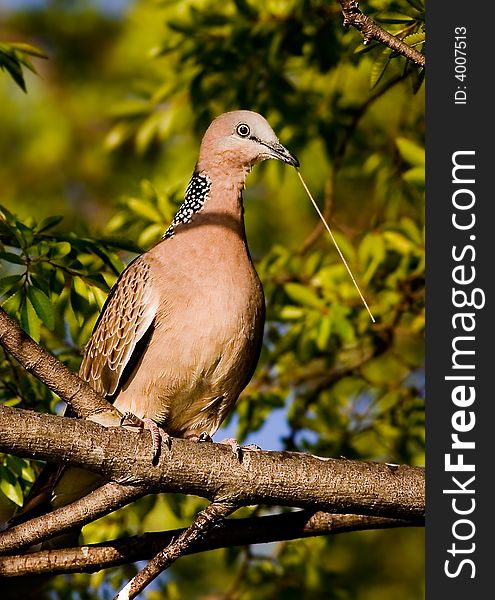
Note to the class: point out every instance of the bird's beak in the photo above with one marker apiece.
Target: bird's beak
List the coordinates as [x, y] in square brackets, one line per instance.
[280, 152]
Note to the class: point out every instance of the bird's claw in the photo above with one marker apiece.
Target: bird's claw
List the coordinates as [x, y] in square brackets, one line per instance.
[129, 419]
[158, 435]
[237, 449]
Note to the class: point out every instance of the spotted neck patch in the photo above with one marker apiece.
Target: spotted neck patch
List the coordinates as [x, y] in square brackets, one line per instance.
[197, 193]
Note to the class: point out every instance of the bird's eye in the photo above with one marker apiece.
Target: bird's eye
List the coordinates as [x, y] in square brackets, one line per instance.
[243, 130]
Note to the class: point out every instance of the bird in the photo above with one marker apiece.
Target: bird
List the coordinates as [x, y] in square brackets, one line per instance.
[180, 334]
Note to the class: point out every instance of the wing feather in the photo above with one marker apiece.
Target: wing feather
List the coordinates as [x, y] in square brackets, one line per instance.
[127, 315]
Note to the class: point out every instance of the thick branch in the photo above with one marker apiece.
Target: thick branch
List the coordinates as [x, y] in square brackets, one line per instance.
[371, 31]
[212, 471]
[102, 501]
[232, 532]
[49, 370]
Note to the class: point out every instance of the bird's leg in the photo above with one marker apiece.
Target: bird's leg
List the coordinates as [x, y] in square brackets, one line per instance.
[158, 435]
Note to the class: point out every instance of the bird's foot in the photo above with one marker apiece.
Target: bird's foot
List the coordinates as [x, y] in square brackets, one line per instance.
[237, 449]
[202, 437]
[158, 435]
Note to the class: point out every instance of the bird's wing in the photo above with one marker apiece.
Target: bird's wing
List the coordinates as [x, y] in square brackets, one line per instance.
[126, 317]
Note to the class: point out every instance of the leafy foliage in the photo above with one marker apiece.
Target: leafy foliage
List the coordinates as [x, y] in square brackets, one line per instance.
[130, 99]
[15, 56]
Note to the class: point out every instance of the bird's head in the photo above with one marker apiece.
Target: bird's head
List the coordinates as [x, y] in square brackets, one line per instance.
[240, 139]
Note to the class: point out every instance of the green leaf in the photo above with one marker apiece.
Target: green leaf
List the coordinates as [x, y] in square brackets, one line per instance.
[61, 249]
[28, 49]
[13, 303]
[150, 235]
[304, 295]
[12, 258]
[14, 464]
[43, 306]
[12, 66]
[28, 473]
[417, 4]
[371, 248]
[119, 134]
[30, 321]
[291, 313]
[399, 242]
[48, 223]
[10, 486]
[96, 280]
[147, 132]
[371, 253]
[144, 209]
[416, 175]
[148, 192]
[324, 332]
[413, 153]
[131, 108]
[10, 284]
[415, 39]
[379, 66]
[344, 329]
[80, 306]
[418, 76]
[384, 369]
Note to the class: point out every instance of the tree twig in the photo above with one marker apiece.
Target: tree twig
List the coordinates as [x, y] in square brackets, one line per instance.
[371, 31]
[206, 520]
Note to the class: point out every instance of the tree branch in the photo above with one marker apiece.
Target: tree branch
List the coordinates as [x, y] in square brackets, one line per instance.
[59, 378]
[371, 31]
[272, 478]
[231, 532]
[100, 502]
[205, 521]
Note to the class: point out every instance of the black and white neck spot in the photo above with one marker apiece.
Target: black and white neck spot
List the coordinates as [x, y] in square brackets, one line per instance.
[197, 193]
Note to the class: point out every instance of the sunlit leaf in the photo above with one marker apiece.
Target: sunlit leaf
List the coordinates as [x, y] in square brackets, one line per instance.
[10, 486]
[28, 49]
[13, 303]
[304, 295]
[411, 151]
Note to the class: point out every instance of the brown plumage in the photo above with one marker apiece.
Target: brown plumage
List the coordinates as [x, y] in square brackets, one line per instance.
[180, 334]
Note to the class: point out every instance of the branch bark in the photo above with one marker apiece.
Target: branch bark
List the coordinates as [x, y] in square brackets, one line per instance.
[100, 502]
[231, 532]
[212, 471]
[371, 31]
[59, 378]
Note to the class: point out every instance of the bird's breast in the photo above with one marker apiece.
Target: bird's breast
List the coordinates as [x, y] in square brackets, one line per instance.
[206, 337]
